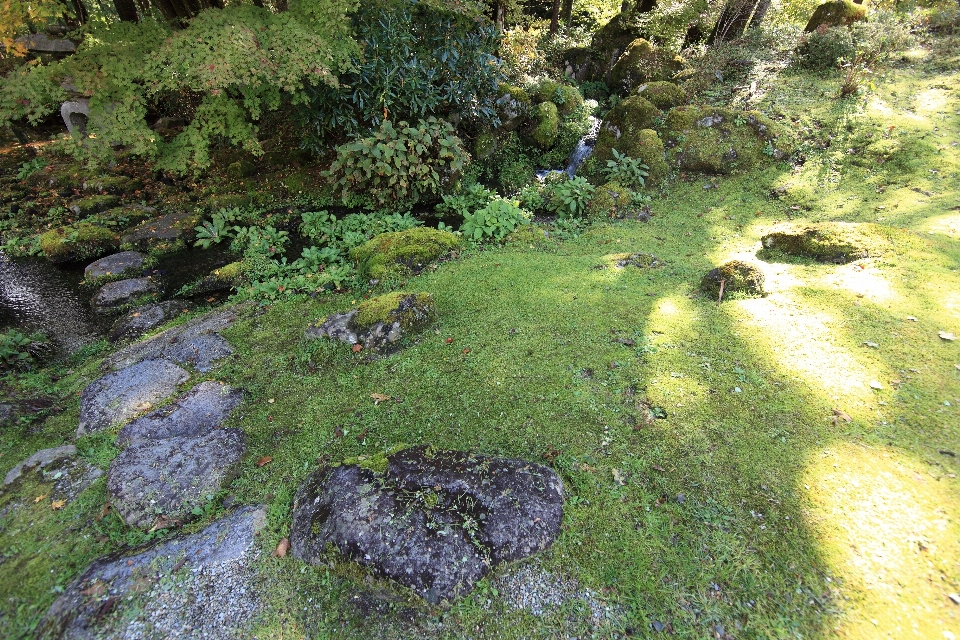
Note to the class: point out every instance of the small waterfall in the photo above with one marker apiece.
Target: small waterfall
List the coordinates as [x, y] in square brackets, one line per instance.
[580, 153]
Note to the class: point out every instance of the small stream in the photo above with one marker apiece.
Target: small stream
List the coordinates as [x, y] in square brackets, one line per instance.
[580, 153]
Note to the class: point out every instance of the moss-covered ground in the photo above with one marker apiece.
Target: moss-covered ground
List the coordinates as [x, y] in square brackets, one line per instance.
[770, 467]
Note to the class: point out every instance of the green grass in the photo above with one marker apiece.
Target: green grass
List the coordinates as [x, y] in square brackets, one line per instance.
[750, 506]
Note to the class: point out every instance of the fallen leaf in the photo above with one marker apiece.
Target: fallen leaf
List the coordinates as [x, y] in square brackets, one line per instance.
[39, 498]
[97, 589]
[947, 336]
[872, 345]
[338, 432]
[875, 385]
[448, 340]
[271, 401]
[379, 397]
[357, 348]
[58, 504]
[843, 416]
[104, 512]
[657, 467]
[282, 548]
[265, 460]
[467, 350]
[618, 478]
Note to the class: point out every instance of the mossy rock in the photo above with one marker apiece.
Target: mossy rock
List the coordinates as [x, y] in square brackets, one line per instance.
[114, 185]
[167, 234]
[531, 235]
[720, 140]
[568, 99]
[546, 124]
[398, 254]
[643, 62]
[628, 129]
[736, 277]
[638, 260]
[664, 95]
[608, 201]
[124, 217]
[609, 43]
[229, 201]
[227, 277]
[94, 204]
[409, 310]
[60, 177]
[484, 145]
[512, 105]
[546, 91]
[241, 169]
[833, 242]
[81, 241]
[836, 13]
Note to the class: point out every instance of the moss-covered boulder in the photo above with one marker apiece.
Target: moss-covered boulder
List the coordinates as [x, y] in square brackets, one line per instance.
[608, 201]
[226, 278]
[643, 62]
[628, 129]
[577, 62]
[512, 105]
[401, 253]
[720, 140]
[114, 185]
[568, 99]
[167, 234]
[81, 241]
[662, 94]
[378, 324]
[546, 125]
[94, 204]
[836, 13]
[833, 242]
[610, 42]
[484, 145]
[735, 277]
[241, 169]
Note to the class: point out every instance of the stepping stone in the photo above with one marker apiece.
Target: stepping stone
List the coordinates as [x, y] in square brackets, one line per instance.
[143, 319]
[122, 263]
[198, 586]
[166, 479]
[166, 232]
[184, 343]
[119, 396]
[199, 412]
[40, 459]
[434, 521]
[122, 292]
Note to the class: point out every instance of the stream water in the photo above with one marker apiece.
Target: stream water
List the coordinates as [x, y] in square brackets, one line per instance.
[580, 153]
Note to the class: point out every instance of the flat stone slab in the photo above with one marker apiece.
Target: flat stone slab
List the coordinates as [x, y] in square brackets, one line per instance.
[197, 586]
[142, 319]
[434, 521]
[168, 478]
[182, 343]
[122, 292]
[121, 395]
[40, 459]
[122, 263]
[164, 228]
[205, 408]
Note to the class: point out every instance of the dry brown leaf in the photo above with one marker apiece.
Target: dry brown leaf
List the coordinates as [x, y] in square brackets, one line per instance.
[264, 461]
[282, 548]
[58, 504]
[379, 397]
[357, 348]
[843, 416]
[39, 498]
[97, 589]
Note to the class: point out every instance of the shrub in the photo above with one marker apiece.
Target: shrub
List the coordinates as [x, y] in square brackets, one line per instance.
[403, 164]
[626, 171]
[14, 348]
[493, 222]
[418, 60]
[569, 199]
[475, 197]
[825, 47]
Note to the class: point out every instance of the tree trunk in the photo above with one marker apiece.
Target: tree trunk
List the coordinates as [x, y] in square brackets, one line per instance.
[127, 10]
[499, 14]
[759, 13]
[646, 6]
[81, 12]
[566, 12]
[555, 17]
[734, 19]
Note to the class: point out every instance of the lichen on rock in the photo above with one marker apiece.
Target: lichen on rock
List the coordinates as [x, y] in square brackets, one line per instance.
[380, 323]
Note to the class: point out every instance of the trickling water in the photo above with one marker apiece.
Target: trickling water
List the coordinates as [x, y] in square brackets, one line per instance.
[580, 153]
[36, 296]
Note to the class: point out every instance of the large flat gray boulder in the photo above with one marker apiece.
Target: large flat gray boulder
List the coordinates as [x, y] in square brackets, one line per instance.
[118, 264]
[119, 396]
[123, 292]
[166, 479]
[40, 459]
[142, 319]
[197, 586]
[434, 521]
[196, 342]
[205, 408]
